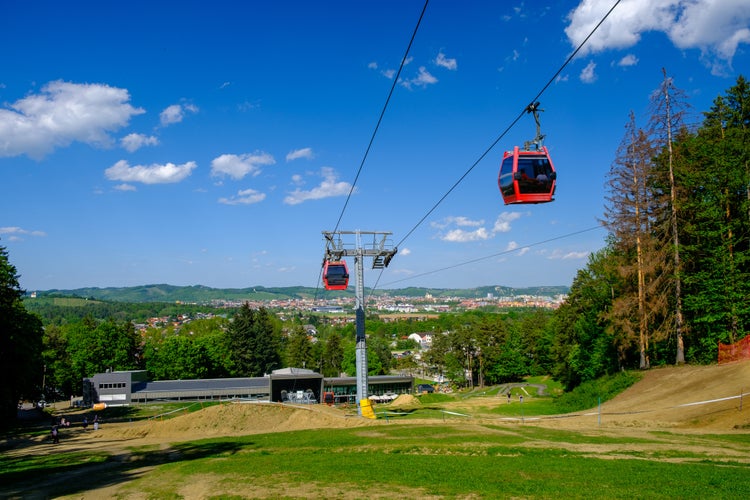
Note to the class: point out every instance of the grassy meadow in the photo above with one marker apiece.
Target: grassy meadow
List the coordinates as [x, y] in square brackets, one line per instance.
[454, 459]
[472, 444]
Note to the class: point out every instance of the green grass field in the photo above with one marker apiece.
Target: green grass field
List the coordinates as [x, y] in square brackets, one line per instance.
[452, 463]
[464, 445]
[456, 459]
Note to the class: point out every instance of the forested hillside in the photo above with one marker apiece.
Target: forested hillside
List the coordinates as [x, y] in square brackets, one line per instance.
[672, 281]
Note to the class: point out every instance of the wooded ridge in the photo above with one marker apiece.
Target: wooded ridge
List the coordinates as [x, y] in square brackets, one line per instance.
[204, 294]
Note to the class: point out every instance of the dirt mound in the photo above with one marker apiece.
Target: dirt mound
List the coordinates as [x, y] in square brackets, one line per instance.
[686, 397]
[405, 402]
[233, 419]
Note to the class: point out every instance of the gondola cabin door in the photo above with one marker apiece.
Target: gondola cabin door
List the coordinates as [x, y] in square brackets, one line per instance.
[335, 275]
[527, 176]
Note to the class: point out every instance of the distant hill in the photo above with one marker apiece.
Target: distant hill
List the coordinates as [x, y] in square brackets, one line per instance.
[191, 294]
[203, 294]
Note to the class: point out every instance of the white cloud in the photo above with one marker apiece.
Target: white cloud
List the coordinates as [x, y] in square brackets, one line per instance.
[513, 245]
[422, 79]
[389, 73]
[134, 142]
[175, 113]
[61, 114]
[172, 114]
[238, 166]
[461, 236]
[714, 27]
[502, 223]
[465, 221]
[329, 187]
[16, 233]
[404, 252]
[559, 255]
[300, 153]
[588, 74]
[244, 197]
[152, 174]
[459, 220]
[445, 62]
[125, 187]
[628, 60]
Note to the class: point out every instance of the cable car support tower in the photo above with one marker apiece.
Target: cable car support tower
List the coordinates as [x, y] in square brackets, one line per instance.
[381, 251]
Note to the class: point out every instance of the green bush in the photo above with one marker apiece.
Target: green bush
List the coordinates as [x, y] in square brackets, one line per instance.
[590, 394]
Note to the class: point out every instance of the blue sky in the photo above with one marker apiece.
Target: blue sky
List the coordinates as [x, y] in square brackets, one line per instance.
[212, 142]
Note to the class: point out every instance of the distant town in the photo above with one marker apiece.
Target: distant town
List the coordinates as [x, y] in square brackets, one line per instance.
[388, 308]
[338, 308]
[395, 304]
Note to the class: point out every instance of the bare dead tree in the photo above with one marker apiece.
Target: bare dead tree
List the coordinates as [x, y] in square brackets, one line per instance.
[669, 106]
[628, 218]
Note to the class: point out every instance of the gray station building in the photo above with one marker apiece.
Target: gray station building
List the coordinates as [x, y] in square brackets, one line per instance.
[296, 385]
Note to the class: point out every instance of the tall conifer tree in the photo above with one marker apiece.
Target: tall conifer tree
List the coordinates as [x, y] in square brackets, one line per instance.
[254, 342]
[21, 369]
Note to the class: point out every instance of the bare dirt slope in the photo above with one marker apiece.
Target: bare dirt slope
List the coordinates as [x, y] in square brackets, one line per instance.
[231, 419]
[702, 398]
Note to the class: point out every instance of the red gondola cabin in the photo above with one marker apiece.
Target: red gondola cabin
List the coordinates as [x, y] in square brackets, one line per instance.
[527, 176]
[335, 275]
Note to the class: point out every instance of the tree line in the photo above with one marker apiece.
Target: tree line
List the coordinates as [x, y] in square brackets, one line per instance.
[468, 348]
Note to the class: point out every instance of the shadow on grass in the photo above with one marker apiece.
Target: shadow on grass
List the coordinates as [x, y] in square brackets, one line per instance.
[49, 475]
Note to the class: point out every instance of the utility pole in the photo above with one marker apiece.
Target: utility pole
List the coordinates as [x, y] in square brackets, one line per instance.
[381, 252]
